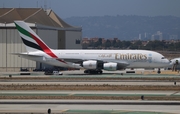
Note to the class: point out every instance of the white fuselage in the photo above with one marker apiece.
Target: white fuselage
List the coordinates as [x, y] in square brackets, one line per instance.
[93, 60]
[133, 58]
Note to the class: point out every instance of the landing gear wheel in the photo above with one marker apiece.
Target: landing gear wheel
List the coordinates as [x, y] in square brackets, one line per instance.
[101, 72]
[159, 71]
[93, 71]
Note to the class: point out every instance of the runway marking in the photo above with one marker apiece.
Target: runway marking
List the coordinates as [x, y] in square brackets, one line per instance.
[64, 110]
[71, 94]
[174, 93]
[120, 111]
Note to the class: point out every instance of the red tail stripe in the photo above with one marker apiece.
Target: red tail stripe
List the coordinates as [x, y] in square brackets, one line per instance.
[45, 48]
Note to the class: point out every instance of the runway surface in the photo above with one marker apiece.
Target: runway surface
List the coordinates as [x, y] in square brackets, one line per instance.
[91, 83]
[103, 93]
[63, 106]
[90, 106]
[112, 74]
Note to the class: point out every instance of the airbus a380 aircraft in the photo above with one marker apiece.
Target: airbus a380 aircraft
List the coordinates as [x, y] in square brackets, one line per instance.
[92, 60]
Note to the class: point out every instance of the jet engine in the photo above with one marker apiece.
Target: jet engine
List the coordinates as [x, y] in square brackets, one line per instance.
[89, 64]
[110, 66]
[175, 61]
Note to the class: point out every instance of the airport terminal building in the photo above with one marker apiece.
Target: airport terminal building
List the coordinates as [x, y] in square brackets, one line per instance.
[56, 33]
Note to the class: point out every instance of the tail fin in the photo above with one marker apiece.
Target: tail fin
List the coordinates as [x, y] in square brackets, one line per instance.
[31, 40]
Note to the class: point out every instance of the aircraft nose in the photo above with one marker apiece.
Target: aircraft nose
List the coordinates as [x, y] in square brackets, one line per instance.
[166, 61]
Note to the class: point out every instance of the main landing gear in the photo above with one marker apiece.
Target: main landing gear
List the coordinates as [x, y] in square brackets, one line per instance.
[96, 71]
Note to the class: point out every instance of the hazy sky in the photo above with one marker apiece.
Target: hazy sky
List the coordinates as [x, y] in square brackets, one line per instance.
[69, 8]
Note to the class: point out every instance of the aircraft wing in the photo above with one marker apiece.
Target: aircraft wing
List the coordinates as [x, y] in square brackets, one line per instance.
[73, 60]
[121, 64]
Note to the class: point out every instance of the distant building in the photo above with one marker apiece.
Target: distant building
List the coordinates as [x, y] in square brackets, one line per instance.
[94, 39]
[139, 37]
[173, 37]
[157, 36]
[56, 33]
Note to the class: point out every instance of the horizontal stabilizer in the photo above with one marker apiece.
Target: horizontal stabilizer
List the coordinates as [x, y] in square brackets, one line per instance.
[30, 56]
[26, 54]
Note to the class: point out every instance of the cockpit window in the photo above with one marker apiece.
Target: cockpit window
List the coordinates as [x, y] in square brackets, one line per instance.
[163, 58]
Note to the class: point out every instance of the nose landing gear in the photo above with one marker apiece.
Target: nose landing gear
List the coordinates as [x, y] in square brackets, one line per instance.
[159, 71]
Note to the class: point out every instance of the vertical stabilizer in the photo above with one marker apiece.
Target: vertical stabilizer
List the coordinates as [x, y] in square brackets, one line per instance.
[31, 40]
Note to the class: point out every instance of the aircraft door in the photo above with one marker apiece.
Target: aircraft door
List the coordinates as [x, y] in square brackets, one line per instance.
[81, 55]
[150, 59]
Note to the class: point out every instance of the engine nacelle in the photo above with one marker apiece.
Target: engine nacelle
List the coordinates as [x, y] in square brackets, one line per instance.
[89, 64]
[175, 61]
[110, 66]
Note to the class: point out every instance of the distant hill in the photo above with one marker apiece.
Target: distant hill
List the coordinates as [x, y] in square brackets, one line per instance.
[128, 27]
